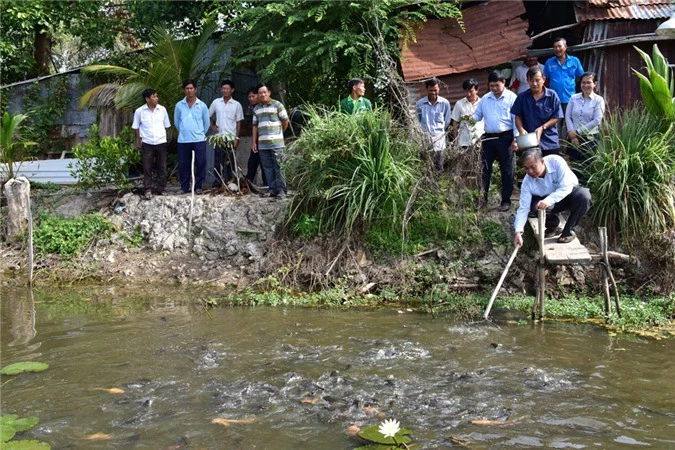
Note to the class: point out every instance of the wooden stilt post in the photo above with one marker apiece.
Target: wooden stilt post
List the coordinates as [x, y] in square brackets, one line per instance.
[535, 305]
[607, 275]
[602, 233]
[541, 217]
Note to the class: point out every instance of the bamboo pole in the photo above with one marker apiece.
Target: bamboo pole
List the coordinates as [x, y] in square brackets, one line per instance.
[30, 239]
[499, 284]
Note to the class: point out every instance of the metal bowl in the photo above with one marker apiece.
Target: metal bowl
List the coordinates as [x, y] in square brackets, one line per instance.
[527, 140]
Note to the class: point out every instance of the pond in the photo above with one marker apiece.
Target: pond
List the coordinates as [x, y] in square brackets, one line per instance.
[279, 378]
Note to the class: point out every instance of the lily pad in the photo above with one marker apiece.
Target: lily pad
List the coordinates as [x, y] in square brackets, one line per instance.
[12, 421]
[6, 433]
[26, 445]
[373, 434]
[25, 366]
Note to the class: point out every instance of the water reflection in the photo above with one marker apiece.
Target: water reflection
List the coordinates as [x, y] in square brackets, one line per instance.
[21, 314]
[298, 378]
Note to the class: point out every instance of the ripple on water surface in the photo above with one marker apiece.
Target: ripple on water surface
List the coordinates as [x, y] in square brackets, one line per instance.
[297, 378]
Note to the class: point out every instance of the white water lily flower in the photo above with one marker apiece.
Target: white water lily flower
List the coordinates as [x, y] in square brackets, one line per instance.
[389, 428]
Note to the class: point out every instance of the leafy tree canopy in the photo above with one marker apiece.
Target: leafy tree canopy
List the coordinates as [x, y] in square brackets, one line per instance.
[29, 29]
[181, 18]
[314, 47]
[38, 37]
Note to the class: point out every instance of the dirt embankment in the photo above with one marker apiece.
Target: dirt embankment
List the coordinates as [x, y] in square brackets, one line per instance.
[232, 242]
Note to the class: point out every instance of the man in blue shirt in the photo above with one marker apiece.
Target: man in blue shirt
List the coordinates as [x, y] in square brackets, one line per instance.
[498, 144]
[538, 110]
[433, 112]
[191, 118]
[562, 72]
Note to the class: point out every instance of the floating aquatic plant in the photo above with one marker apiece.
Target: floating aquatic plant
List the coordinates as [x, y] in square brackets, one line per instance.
[10, 424]
[386, 436]
[24, 366]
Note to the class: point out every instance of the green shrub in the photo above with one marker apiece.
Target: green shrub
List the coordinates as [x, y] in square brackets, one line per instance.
[630, 175]
[351, 169]
[658, 87]
[104, 161]
[68, 237]
[306, 226]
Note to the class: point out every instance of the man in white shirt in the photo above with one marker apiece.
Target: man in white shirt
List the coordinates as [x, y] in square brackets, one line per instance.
[150, 123]
[552, 186]
[464, 127]
[494, 110]
[228, 116]
[519, 78]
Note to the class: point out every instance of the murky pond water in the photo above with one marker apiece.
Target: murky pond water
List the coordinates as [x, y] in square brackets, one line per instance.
[297, 378]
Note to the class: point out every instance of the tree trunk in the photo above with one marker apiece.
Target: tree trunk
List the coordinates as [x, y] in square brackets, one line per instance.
[17, 191]
[43, 48]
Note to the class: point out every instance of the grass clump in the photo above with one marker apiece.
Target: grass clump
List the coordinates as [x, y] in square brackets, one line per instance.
[631, 174]
[435, 222]
[350, 170]
[68, 237]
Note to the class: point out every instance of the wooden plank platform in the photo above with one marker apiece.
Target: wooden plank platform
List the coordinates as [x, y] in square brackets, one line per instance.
[571, 253]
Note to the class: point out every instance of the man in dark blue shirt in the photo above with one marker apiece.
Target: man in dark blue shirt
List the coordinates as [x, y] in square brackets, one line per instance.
[538, 110]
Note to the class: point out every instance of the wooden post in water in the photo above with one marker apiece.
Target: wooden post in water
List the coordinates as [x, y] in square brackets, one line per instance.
[541, 268]
[30, 240]
[602, 232]
[542, 261]
[607, 275]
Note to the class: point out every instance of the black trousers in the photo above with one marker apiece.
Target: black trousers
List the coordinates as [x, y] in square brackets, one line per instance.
[154, 161]
[185, 150]
[577, 203]
[499, 150]
[253, 164]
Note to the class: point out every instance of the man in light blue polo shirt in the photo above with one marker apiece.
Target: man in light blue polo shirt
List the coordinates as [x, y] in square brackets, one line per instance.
[562, 72]
[191, 118]
[434, 114]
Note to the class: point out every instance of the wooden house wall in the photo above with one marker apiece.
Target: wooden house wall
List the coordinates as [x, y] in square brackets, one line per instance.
[616, 81]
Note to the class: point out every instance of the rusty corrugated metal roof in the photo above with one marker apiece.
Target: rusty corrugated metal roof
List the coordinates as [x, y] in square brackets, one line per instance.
[495, 33]
[623, 9]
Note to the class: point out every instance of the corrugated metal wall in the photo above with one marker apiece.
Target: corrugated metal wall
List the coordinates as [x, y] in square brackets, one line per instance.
[616, 81]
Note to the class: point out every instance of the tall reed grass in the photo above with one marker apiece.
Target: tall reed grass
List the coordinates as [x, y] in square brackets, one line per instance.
[631, 175]
[351, 169]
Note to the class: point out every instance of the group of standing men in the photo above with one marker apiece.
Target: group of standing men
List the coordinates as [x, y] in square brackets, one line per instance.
[193, 120]
[499, 117]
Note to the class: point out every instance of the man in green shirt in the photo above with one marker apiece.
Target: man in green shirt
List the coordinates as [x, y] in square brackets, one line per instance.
[355, 101]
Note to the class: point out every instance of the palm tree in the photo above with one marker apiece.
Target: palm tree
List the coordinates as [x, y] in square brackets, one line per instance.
[171, 62]
[10, 140]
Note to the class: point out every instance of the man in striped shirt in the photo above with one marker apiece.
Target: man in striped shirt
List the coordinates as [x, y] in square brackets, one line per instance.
[270, 120]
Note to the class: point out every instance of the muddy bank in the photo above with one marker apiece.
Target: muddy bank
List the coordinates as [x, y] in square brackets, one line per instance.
[236, 240]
